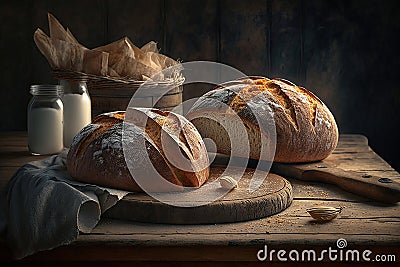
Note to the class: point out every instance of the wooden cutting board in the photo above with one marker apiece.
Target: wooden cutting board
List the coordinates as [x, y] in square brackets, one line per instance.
[273, 196]
[378, 188]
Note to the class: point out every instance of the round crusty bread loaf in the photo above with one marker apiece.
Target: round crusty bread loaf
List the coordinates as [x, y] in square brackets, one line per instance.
[305, 128]
[97, 156]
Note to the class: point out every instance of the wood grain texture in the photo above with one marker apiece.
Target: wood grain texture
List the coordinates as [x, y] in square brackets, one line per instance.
[141, 21]
[16, 58]
[191, 34]
[324, 41]
[365, 224]
[348, 59]
[244, 43]
[286, 40]
[191, 30]
[110, 101]
[369, 186]
[273, 196]
[361, 178]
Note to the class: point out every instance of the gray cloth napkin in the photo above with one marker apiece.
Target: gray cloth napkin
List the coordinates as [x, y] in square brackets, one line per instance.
[42, 207]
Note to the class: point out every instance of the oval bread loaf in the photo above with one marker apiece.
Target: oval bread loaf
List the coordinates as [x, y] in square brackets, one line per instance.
[305, 128]
[97, 153]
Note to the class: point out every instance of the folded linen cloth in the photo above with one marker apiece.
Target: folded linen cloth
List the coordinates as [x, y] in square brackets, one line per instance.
[42, 207]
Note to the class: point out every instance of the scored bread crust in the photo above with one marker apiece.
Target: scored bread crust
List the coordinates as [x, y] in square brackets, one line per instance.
[305, 128]
[96, 154]
[179, 141]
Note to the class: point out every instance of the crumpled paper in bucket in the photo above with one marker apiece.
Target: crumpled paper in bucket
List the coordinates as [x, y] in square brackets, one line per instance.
[119, 59]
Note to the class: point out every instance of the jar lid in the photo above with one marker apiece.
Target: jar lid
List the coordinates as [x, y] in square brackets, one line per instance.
[47, 89]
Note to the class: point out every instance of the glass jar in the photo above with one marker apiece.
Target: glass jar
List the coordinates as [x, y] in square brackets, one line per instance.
[77, 108]
[45, 120]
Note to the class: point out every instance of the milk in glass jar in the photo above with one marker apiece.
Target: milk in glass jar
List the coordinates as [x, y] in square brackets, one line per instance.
[77, 108]
[45, 120]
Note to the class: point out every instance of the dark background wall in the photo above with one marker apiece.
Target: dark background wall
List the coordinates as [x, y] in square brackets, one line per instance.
[347, 52]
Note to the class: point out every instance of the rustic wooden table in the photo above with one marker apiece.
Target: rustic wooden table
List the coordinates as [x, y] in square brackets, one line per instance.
[364, 224]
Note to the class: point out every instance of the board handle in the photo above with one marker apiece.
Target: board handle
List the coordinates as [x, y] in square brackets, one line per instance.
[378, 188]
